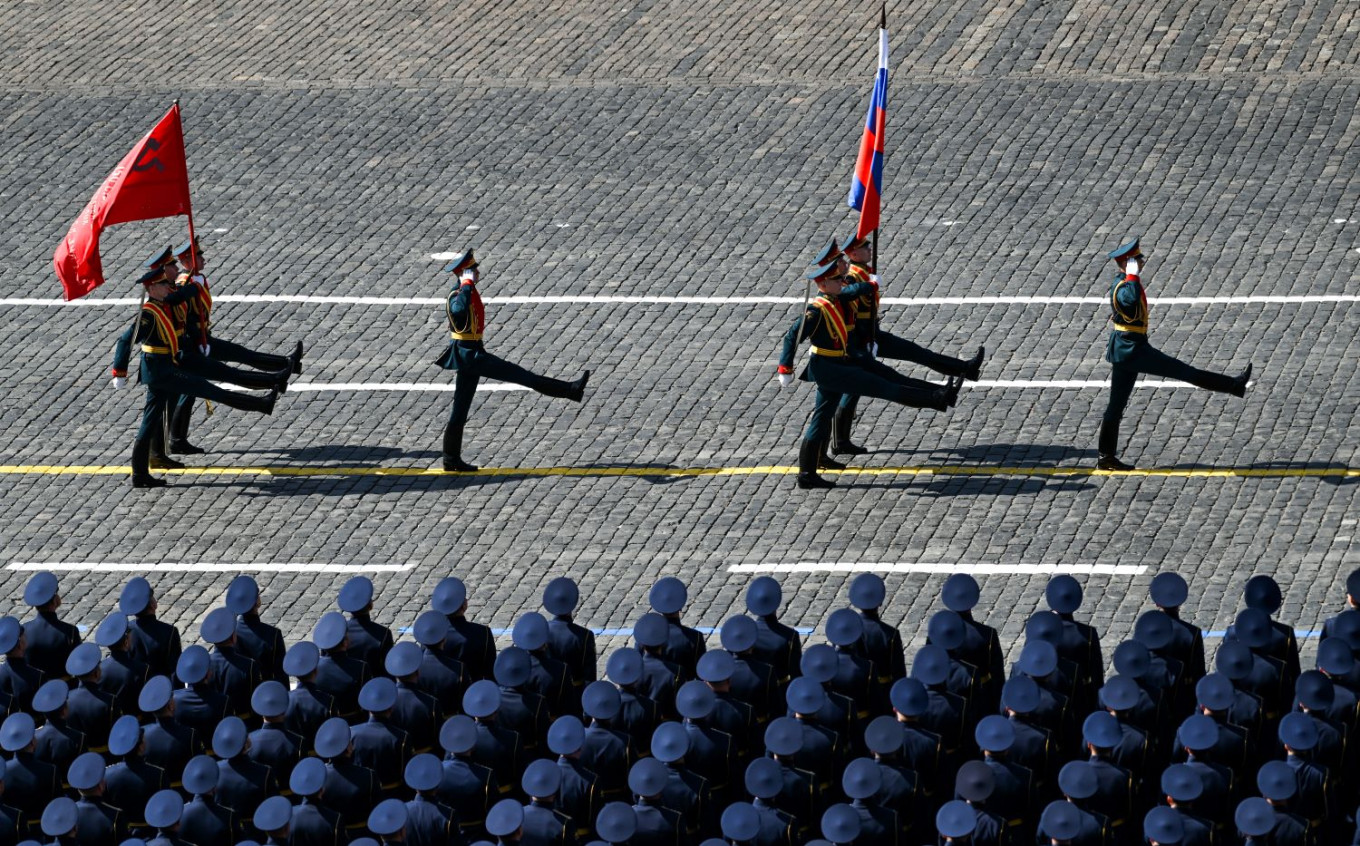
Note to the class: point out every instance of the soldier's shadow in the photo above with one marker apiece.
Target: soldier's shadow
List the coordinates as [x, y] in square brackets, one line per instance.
[400, 480]
[995, 486]
[345, 453]
[1028, 455]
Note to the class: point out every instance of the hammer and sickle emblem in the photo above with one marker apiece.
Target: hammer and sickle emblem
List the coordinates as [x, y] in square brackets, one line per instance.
[145, 163]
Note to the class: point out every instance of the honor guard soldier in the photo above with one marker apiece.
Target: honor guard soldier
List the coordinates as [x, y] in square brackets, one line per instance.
[519, 708]
[90, 710]
[242, 784]
[1253, 677]
[1169, 592]
[861, 782]
[192, 283]
[605, 751]
[59, 821]
[882, 643]
[821, 752]
[841, 825]
[1039, 661]
[798, 789]
[1014, 783]
[884, 738]
[1198, 736]
[55, 742]
[96, 821]
[379, 745]
[947, 631]
[440, 674]
[204, 822]
[548, 677]
[428, 823]
[198, 705]
[981, 644]
[1276, 782]
[618, 823]
[568, 642]
[170, 370]
[638, 714]
[129, 783]
[1269, 675]
[1130, 354]
[684, 645]
[272, 818]
[469, 642]
[164, 810]
[855, 675]
[1120, 697]
[237, 676]
[543, 822]
[416, 712]
[1183, 787]
[337, 673]
[497, 747]
[155, 641]
[49, 639]
[1080, 641]
[467, 355]
[883, 344]
[776, 644]
[686, 791]
[774, 827]
[753, 681]
[272, 744]
[1163, 827]
[19, 679]
[740, 823]
[1217, 698]
[168, 744]
[256, 639]
[656, 821]
[505, 822]
[660, 678]
[122, 673]
[837, 369]
[369, 641]
[922, 749]
[349, 790]
[579, 788]
[467, 787]
[946, 714]
[312, 824]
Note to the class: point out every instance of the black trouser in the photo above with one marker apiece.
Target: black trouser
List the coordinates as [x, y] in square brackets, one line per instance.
[212, 367]
[836, 377]
[472, 364]
[1147, 360]
[900, 349]
[165, 383]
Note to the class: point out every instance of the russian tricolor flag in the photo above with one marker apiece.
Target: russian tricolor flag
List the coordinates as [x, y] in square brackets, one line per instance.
[867, 186]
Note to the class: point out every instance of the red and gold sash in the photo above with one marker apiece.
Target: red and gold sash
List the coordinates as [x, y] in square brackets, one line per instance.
[165, 325]
[834, 320]
[476, 317]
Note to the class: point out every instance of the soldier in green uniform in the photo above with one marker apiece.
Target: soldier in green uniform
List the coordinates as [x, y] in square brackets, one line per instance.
[193, 285]
[1130, 354]
[160, 333]
[838, 368]
[882, 344]
[467, 355]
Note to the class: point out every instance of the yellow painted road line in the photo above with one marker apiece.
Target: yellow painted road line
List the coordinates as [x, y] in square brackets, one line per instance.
[669, 472]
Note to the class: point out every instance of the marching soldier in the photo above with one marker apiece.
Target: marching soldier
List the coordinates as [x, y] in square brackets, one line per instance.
[170, 371]
[838, 368]
[467, 355]
[194, 291]
[883, 344]
[1130, 354]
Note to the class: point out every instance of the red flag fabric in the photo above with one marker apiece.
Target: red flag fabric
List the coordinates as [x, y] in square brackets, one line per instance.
[151, 181]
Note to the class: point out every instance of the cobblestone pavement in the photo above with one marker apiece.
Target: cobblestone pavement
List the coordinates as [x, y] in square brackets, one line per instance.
[698, 149]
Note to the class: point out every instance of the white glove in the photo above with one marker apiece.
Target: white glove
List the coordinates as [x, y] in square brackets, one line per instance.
[1131, 267]
[119, 382]
[785, 379]
[873, 348]
[467, 276]
[198, 278]
[203, 348]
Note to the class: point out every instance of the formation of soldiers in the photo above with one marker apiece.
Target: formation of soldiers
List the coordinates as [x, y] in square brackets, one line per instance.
[842, 323]
[358, 737]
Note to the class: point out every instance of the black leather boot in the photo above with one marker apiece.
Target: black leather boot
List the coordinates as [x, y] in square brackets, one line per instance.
[1107, 446]
[1239, 388]
[825, 461]
[157, 459]
[973, 367]
[297, 359]
[840, 434]
[807, 467]
[453, 452]
[561, 389]
[141, 477]
[179, 430]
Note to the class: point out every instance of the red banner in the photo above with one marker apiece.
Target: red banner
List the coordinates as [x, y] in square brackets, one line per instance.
[151, 181]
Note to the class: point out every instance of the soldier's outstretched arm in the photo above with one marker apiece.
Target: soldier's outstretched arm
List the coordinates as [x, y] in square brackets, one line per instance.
[792, 339]
[122, 348]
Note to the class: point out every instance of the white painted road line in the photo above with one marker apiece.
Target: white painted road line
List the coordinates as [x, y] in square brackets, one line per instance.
[1284, 299]
[975, 569]
[121, 567]
[447, 387]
